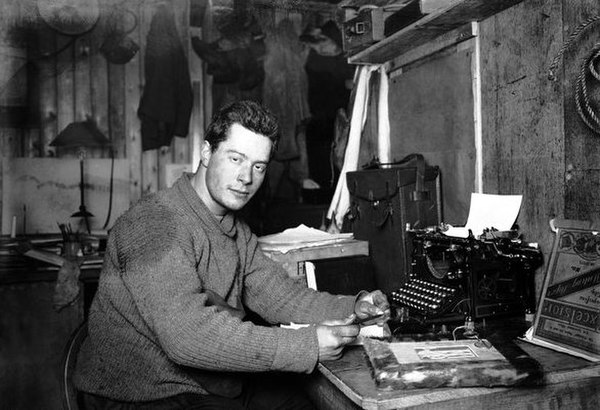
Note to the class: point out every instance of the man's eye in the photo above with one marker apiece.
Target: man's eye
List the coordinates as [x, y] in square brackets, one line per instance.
[235, 159]
[260, 168]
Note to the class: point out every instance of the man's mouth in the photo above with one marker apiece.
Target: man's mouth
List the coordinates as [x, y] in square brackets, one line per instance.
[239, 192]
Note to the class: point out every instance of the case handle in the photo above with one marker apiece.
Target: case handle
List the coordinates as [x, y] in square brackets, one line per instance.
[420, 193]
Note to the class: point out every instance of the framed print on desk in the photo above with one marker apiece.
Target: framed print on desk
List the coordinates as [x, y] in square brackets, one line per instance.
[568, 314]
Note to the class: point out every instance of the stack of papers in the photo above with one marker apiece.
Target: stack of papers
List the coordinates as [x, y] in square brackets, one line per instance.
[300, 237]
[486, 211]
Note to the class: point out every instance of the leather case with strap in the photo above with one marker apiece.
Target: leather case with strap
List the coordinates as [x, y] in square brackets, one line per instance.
[383, 203]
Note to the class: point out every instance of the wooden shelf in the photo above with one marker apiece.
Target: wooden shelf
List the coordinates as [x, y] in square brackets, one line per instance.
[433, 25]
[352, 247]
[293, 261]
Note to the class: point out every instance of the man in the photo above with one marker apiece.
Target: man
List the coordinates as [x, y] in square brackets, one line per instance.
[166, 326]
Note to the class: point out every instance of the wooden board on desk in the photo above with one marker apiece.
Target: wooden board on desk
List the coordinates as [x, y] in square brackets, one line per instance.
[449, 363]
[347, 383]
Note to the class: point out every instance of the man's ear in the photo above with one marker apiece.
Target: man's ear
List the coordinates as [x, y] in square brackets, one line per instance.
[205, 154]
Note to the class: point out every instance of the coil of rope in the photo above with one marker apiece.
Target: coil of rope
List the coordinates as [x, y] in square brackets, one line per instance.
[588, 71]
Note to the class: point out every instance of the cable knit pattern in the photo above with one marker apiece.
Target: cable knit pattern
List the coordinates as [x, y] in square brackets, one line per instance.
[153, 331]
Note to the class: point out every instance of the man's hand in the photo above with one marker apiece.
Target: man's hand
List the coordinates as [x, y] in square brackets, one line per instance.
[333, 335]
[371, 308]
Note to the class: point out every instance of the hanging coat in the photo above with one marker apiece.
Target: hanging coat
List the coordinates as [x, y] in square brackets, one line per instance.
[166, 104]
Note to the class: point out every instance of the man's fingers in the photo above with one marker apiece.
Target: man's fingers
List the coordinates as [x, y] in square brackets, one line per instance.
[373, 304]
[374, 310]
[340, 322]
[346, 341]
[350, 331]
[379, 299]
[348, 320]
[365, 309]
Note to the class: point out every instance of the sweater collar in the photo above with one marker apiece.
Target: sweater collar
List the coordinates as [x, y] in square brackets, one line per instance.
[185, 189]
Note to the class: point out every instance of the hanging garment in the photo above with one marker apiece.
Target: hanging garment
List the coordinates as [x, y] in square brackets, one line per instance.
[341, 198]
[383, 120]
[285, 93]
[285, 88]
[220, 64]
[237, 56]
[166, 104]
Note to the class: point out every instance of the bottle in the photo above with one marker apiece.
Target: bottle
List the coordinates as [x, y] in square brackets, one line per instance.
[529, 315]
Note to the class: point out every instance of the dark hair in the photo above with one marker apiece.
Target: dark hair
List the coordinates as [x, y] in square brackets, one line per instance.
[248, 114]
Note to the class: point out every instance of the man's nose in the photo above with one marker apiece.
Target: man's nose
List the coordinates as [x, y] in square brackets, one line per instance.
[245, 174]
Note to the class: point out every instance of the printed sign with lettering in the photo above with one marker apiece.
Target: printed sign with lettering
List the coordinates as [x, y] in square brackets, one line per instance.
[567, 318]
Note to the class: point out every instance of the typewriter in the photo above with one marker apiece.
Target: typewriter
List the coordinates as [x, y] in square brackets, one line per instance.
[453, 278]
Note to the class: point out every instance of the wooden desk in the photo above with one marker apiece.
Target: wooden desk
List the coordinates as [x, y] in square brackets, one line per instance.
[294, 261]
[570, 383]
[33, 334]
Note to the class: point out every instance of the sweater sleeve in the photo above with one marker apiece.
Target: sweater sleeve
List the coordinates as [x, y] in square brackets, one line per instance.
[270, 292]
[158, 271]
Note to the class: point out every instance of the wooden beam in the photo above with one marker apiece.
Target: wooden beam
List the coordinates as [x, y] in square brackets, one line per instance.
[428, 28]
[296, 5]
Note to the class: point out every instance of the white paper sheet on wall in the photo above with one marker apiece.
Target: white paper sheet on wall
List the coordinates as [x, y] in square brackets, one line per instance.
[49, 189]
[488, 211]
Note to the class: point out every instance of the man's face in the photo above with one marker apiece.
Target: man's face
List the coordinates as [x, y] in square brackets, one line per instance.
[235, 170]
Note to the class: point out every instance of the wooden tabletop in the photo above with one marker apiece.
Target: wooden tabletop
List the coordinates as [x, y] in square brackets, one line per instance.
[568, 381]
[290, 260]
[343, 248]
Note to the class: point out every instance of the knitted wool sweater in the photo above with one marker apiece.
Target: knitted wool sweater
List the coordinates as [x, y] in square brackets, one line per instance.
[153, 332]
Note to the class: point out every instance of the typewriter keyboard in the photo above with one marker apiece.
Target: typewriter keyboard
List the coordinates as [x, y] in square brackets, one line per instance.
[425, 297]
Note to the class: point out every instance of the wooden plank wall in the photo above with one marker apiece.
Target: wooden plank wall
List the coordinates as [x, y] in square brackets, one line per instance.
[78, 83]
[582, 146]
[522, 112]
[71, 80]
[535, 143]
[424, 122]
[133, 137]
